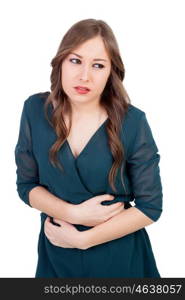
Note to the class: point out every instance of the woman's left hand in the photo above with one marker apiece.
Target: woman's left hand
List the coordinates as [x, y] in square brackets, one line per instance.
[65, 235]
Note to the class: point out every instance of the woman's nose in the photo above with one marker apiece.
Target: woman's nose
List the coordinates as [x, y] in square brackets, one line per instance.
[85, 73]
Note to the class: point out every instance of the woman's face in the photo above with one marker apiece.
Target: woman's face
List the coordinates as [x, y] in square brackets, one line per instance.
[88, 65]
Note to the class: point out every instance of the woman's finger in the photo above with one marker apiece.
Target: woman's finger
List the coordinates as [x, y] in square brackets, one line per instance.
[114, 206]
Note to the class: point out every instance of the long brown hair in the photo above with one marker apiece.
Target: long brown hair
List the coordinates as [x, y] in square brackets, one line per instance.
[114, 97]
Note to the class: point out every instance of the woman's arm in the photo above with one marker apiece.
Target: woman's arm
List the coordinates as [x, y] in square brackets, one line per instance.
[41, 199]
[128, 221]
[29, 188]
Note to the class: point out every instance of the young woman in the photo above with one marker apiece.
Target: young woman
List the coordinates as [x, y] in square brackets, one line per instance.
[84, 152]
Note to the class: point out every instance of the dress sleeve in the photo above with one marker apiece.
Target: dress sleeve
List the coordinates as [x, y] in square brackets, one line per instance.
[144, 172]
[27, 169]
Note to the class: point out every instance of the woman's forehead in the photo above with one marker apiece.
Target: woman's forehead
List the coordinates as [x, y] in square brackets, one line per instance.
[93, 48]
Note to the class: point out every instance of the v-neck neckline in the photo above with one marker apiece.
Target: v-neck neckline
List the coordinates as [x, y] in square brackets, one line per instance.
[88, 143]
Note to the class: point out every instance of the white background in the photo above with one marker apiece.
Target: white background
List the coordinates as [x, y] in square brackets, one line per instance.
[151, 39]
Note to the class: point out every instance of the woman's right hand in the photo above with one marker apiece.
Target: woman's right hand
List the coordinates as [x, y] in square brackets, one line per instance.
[91, 212]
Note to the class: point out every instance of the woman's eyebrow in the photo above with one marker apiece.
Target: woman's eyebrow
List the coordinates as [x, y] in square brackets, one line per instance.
[97, 59]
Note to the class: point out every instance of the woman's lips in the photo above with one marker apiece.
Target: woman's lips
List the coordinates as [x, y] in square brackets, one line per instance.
[81, 91]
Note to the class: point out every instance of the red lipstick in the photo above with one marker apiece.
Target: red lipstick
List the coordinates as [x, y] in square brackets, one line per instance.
[82, 89]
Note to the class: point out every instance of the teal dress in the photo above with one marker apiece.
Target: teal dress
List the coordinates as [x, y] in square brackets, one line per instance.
[85, 177]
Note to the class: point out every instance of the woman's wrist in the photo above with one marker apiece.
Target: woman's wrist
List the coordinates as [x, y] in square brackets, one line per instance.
[73, 215]
[82, 240]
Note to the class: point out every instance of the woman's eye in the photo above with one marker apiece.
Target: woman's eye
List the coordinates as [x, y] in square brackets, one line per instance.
[100, 66]
[75, 59]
